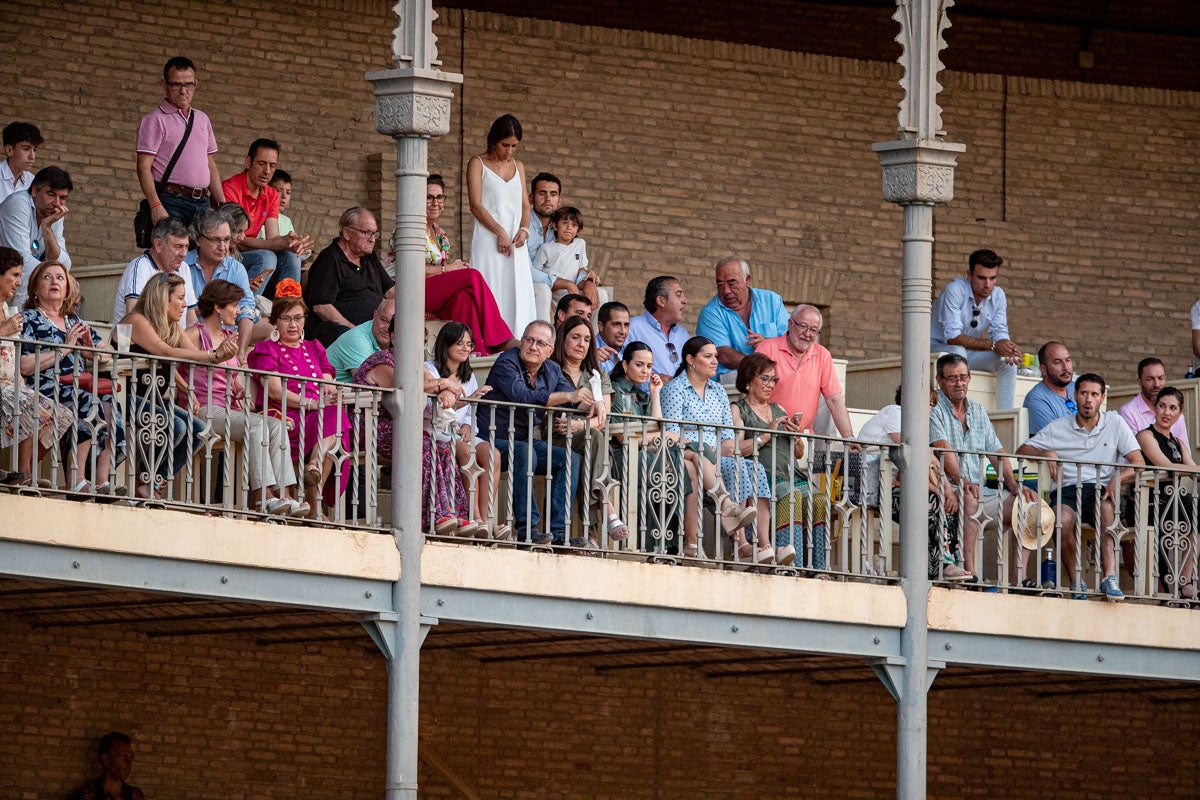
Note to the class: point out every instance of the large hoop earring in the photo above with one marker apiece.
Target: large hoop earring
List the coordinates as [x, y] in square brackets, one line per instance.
[274, 334]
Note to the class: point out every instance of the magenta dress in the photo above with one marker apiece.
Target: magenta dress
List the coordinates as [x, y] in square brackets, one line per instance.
[309, 427]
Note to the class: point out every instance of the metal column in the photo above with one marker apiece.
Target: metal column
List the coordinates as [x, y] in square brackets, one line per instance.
[412, 103]
[918, 173]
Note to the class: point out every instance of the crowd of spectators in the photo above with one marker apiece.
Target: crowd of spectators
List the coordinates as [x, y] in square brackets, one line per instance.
[222, 285]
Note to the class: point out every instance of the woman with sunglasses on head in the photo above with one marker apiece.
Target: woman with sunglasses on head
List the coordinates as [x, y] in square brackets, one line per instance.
[156, 332]
[694, 396]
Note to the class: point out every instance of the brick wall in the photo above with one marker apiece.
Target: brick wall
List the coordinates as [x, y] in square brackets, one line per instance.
[218, 717]
[677, 150]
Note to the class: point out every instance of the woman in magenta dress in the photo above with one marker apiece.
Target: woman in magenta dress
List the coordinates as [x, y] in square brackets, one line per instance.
[315, 421]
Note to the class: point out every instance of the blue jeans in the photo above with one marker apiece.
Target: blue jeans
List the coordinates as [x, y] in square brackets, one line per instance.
[281, 263]
[562, 493]
[182, 208]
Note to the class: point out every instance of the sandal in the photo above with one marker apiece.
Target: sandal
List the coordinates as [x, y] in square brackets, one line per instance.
[616, 529]
[312, 476]
[691, 551]
[734, 517]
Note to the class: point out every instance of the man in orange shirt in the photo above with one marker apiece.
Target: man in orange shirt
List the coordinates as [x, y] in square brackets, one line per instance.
[274, 257]
[805, 372]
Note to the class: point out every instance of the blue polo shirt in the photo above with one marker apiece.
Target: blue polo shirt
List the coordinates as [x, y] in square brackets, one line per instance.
[725, 328]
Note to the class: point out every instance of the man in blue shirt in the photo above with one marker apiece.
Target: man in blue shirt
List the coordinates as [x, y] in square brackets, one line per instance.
[661, 326]
[970, 318]
[1054, 396]
[524, 374]
[211, 260]
[740, 316]
[545, 196]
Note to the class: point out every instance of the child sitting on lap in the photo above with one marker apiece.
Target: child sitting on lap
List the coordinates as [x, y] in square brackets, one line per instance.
[565, 259]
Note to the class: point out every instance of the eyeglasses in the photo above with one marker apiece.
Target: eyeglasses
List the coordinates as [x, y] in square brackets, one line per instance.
[804, 328]
[954, 378]
[189, 86]
[769, 380]
[673, 352]
[1072, 407]
[435, 199]
[294, 319]
[225, 240]
[368, 234]
[539, 343]
[975, 317]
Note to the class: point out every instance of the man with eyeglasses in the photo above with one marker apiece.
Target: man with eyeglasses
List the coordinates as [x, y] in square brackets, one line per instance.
[275, 255]
[524, 374]
[806, 373]
[1054, 397]
[958, 424]
[970, 318]
[194, 183]
[347, 281]
[211, 229]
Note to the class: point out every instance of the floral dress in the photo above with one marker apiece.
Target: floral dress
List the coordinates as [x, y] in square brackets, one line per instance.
[24, 411]
[447, 497]
[93, 415]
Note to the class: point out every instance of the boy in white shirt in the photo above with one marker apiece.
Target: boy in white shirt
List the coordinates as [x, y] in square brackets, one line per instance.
[565, 259]
[281, 182]
[21, 141]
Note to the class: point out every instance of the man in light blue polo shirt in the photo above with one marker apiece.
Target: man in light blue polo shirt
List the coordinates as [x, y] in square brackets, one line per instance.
[661, 326]
[1054, 397]
[740, 316]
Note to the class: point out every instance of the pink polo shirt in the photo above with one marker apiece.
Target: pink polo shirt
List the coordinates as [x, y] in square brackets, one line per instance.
[802, 380]
[259, 209]
[159, 133]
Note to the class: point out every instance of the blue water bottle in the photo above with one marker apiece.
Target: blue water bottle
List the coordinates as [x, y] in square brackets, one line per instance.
[1049, 570]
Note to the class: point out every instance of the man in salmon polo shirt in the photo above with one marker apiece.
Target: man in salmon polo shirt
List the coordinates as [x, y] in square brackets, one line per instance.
[804, 369]
[194, 182]
[275, 257]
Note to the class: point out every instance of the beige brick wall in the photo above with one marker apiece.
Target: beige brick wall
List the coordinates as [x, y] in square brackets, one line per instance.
[219, 718]
[677, 150]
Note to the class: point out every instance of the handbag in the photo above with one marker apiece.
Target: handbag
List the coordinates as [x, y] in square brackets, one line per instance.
[143, 220]
[85, 381]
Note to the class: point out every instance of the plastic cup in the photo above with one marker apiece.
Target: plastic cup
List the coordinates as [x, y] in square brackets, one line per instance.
[124, 336]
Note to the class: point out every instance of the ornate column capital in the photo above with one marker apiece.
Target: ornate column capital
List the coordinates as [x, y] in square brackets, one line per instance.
[918, 171]
[413, 102]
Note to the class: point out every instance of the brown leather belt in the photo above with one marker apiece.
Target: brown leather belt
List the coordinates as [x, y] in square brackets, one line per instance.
[187, 191]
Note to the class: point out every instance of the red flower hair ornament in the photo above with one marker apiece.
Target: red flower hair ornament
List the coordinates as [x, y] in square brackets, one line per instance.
[287, 288]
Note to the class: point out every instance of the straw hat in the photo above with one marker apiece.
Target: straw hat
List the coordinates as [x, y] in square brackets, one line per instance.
[1026, 522]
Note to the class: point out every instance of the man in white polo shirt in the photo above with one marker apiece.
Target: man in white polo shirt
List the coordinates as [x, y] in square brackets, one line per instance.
[168, 248]
[1095, 436]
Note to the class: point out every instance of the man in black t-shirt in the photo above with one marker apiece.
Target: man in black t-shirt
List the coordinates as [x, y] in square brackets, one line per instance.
[347, 281]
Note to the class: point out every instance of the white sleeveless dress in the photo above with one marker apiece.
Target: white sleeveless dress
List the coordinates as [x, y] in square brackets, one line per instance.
[507, 276]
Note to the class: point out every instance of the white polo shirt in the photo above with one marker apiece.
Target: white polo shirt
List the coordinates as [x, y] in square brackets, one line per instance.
[134, 279]
[1106, 442]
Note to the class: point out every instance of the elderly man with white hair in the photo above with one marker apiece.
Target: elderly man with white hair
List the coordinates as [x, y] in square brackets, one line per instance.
[740, 315]
[805, 372]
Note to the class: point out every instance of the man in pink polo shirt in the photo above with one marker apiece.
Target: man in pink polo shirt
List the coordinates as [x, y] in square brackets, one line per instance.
[805, 371]
[194, 182]
[1138, 413]
[274, 255]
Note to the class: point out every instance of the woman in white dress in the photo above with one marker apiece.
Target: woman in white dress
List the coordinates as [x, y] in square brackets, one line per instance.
[500, 205]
